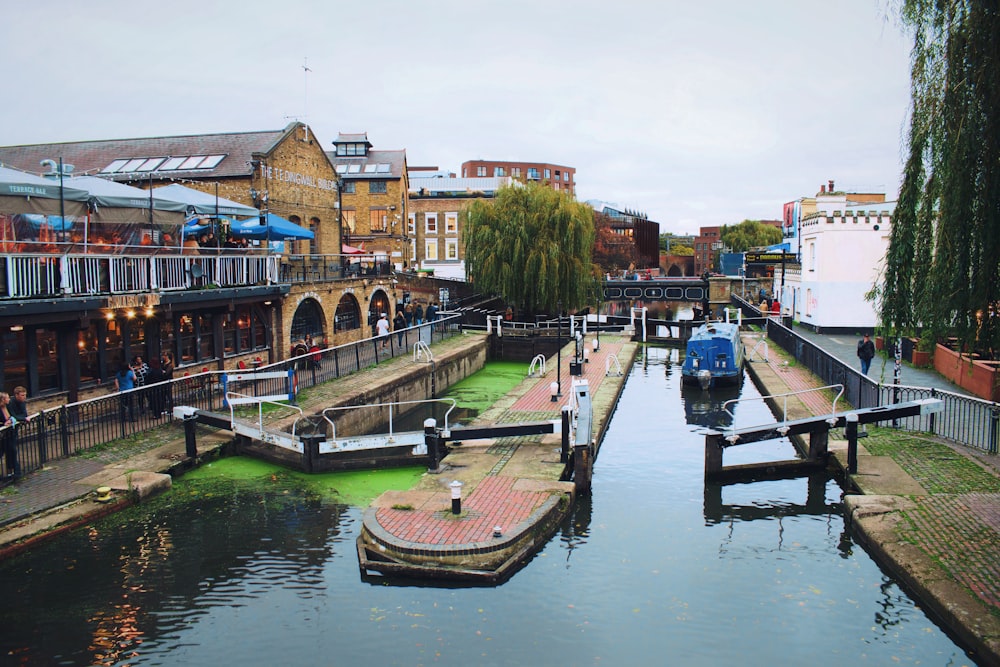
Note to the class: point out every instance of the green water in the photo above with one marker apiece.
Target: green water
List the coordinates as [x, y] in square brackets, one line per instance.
[359, 488]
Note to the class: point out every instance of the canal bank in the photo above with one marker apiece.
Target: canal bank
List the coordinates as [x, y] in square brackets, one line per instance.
[931, 519]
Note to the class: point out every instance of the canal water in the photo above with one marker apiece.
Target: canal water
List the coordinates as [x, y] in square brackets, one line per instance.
[654, 569]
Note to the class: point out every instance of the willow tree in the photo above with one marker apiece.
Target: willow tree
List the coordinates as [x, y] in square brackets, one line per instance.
[943, 262]
[532, 246]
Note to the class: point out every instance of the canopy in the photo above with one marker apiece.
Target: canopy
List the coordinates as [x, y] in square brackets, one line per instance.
[21, 192]
[351, 250]
[276, 228]
[202, 203]
[117, 202]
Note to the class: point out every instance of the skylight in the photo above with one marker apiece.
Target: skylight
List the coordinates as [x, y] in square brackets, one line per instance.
[148, 164]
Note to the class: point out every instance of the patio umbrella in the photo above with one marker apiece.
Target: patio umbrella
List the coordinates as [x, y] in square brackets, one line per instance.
[350, 250]
[275, 228]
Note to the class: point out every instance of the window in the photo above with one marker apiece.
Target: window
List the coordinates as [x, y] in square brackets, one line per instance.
[566, 176]
[349, 220]
[431, 223]
[348, 188]
[431, 250]
[451, 223]
[532, 174]
[350, 150]
[377, 220]
[498, 171]
[451, 249]
[515, 172]
[480, 171]
[557, 174]
[548, 174]
[812, 256]
[376, 187]
[411, 224]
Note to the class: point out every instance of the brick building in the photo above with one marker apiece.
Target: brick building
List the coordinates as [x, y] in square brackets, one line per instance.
[436, 216]
[557, 177]
[374, 197]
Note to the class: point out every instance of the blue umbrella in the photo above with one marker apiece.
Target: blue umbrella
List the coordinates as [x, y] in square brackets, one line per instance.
[275, 228]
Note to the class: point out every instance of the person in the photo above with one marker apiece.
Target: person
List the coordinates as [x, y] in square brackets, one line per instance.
[19, 404]
[141, 369]
[866, 352]
[124, 383]
[432, 311]
[157, 392]
[314, 350]
[9, 437]
[167, 365]
[399, 323]
[418, 314]
[408, 313]
[382, 328]
[775, 307]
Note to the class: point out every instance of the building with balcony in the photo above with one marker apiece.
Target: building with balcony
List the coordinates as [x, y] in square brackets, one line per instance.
[81, 293]
[436, 217]
[557, 177]
[373, 198]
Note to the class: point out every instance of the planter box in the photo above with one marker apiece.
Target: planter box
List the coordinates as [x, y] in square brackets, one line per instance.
[978, 377]
[921, 359]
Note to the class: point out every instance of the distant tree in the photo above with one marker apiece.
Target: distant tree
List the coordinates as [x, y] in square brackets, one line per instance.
[532, 246]
[943, 262]
[612, 252]
[749, 234]
[681, 250]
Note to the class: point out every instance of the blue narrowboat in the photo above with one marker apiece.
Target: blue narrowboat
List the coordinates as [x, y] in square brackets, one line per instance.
[714, 356]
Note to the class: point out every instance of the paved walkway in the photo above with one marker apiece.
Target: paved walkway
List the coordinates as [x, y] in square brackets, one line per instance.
[922, 514]
[504, 480]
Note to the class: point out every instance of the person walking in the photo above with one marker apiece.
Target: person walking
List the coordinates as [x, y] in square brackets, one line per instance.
[124, 384]
[866, 352]
[382, 329]
[399, 323]
[8, 437]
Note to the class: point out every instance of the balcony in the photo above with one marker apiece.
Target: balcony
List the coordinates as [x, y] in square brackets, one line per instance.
[50, 275]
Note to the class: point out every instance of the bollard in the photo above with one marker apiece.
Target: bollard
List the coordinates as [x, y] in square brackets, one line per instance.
[190, 446]
[554, 391]
[456, 497]
[564, 452]
[851, 431]
[433, 443]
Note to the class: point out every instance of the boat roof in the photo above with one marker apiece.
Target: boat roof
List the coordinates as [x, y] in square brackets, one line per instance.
[726, 330]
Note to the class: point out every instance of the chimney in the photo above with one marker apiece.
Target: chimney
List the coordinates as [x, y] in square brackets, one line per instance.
[831, 187]
[822, 189]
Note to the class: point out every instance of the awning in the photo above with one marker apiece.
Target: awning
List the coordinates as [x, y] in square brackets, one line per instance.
[21, 192]
[117, 202]
[275, 228]
[203, 203]
[351, 250]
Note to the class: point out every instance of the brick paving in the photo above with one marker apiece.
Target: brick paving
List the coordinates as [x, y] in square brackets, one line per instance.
[494, 501]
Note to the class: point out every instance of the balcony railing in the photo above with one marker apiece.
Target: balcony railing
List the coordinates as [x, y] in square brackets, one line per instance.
[47, 275]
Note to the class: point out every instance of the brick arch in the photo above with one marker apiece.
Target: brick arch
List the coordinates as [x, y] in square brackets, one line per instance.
[308, 320]
[348, 314]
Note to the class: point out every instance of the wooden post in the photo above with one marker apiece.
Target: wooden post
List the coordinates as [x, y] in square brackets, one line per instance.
[819, 441]
[564, 451]
[310, 451]
[433, 442]
[190, 446]
[851, 431]
[713, 454]
[582, 469]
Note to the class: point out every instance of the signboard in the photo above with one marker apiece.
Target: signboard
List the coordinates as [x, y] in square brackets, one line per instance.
[771, 258]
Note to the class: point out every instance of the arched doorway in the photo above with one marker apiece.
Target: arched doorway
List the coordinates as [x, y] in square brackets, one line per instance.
[348, 315]
[675, 272]
[379, 304]
[307, 323]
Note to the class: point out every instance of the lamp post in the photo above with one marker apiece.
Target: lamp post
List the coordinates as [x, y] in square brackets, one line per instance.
[559, 349]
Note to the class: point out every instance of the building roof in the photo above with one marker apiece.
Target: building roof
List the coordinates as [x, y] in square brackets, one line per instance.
[349, 138]
[439, 186]
[223, 155]
[377, 165]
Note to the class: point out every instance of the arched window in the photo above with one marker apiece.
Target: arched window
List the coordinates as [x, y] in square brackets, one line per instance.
[314, 243]
[348, 316]
[308, 321]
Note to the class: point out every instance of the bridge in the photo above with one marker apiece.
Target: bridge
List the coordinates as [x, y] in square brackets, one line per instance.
[657, 289]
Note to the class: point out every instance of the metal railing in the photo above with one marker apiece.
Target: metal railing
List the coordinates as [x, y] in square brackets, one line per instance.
[86, 274]
[102, 421]
[966, 420]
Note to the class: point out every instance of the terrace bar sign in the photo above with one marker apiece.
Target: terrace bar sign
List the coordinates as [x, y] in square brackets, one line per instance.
[770, 258]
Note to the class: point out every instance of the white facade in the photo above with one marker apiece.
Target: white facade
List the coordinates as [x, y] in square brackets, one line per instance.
[842, 255]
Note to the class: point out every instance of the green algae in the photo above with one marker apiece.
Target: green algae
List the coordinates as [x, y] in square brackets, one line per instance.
[356, 487]
[360, 487]
[481, 390]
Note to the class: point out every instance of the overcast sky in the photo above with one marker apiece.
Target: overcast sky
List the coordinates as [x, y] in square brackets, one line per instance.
[694, 112]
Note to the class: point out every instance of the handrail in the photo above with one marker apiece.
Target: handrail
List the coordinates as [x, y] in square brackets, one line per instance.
[420, 348]
[260, 408]
[783, 429]
[389, 404]
[538, 361]
[607, 365]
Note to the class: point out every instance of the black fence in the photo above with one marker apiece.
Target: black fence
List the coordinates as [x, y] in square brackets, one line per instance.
[968, 421]
[77, 427]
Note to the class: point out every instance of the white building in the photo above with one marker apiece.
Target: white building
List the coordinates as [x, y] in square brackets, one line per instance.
[842, 247]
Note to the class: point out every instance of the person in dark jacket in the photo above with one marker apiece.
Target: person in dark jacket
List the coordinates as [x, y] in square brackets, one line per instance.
[866, 352]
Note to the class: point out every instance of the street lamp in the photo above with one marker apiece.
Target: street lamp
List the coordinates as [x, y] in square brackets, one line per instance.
[559, 349]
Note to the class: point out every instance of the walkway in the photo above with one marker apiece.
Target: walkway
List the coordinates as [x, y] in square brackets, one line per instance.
[923, 512]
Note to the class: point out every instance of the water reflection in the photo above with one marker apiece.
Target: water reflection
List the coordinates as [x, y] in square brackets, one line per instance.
[703, 407]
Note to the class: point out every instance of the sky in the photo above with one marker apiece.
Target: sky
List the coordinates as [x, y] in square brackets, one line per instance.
[696, 113]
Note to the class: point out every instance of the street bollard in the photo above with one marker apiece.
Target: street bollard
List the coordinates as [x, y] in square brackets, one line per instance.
[456, 497]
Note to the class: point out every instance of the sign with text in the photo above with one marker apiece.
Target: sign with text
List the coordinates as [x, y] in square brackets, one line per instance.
[771, 258]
